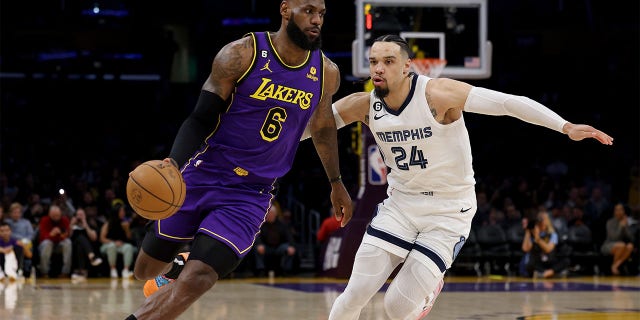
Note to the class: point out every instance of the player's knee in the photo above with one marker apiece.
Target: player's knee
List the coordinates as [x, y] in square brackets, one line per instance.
[350, 300]
[397, 305]
[214, 253]
[145, 274]
[197, 278]
[147, 268]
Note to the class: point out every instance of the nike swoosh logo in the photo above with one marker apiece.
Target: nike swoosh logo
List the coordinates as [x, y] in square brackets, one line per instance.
[463, 210]
[376, 117]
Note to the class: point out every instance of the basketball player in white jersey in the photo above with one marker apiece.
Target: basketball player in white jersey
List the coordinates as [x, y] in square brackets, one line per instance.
[419, 127]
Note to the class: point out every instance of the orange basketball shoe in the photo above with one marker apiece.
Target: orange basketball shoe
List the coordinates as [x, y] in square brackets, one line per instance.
[153, 285]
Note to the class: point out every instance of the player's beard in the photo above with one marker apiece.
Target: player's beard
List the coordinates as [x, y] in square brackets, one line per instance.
[381, 92]
[300, 38]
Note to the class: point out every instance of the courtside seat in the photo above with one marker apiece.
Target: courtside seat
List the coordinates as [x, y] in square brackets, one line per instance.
[495, 249]
[584, 254]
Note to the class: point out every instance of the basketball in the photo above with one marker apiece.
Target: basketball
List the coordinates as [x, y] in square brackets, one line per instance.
[155, 189]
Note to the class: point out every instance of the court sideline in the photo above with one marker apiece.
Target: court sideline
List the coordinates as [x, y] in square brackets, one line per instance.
[462, 298]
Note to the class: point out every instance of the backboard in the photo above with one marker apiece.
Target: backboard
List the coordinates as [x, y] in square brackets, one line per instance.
[455, 30]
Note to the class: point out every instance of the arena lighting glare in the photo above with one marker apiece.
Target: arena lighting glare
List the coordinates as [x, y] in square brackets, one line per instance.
[104, 11]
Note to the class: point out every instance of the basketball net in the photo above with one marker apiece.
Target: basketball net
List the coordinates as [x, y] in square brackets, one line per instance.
[431, 67]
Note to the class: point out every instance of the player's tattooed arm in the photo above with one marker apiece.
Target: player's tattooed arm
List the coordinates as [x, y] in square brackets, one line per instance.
[231, 62]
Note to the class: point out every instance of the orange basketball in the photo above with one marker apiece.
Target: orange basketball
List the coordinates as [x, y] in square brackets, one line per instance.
[155, 189]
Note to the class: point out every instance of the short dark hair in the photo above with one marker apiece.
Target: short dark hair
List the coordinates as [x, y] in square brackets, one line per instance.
[397, 40]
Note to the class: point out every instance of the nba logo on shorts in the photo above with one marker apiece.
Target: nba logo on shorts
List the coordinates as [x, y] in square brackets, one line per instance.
[377, 169]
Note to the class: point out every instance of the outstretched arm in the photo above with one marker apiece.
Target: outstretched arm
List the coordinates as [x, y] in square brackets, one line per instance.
[352, 108]
[490, 102]
[339, 124]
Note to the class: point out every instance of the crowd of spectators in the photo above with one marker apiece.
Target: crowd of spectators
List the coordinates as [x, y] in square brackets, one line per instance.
[79, 229]
[70, 229]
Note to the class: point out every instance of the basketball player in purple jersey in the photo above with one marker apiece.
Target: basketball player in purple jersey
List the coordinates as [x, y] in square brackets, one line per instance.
[262, 91]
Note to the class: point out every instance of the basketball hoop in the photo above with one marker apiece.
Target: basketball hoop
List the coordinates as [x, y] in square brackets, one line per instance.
[431, 67]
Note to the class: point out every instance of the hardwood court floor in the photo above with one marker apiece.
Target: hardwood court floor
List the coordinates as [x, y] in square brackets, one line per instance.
[476, 298]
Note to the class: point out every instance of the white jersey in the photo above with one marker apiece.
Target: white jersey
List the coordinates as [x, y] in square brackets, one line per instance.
[424, 156]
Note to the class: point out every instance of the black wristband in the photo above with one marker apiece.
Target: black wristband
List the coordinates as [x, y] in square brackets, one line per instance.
[336, 179]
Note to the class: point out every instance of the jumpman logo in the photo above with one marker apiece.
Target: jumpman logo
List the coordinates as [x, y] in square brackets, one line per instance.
[266, 66]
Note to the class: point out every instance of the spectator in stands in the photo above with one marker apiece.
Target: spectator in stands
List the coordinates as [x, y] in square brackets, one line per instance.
[619, 238]
[496, 217]
[21, 228]
[559, 221]
[329, 225]
[54, 230]
[539, 244]
[95, 218]
[552, 200]
[576, 215]
[287, 218]
[484, 208]
[275, 247]
[89, 203]
[106, 203]
[116, 238]
[65, 203]
[574, 200]
[138, 228]
[596, 211]
[83, 236]
[11, 253]
[513, 216]
[34, 210]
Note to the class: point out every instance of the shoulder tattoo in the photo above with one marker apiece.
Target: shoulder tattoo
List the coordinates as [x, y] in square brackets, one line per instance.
[231, 62]
[432, 108]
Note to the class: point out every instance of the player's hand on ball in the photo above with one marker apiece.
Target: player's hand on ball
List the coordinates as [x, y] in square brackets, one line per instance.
[171, 161]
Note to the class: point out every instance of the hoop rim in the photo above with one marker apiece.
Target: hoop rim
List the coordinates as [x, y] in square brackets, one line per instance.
[431, 67]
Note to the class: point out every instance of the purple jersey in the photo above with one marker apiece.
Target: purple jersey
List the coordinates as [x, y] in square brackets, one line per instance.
[230, 182]
[11, 243]
[258, 136]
